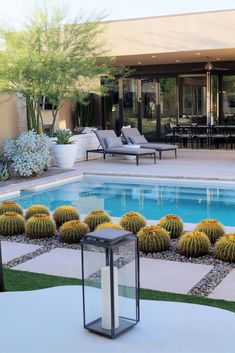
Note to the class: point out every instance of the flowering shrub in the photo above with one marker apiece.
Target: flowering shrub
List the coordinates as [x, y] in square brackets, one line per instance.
[29, 153]
[63, 136]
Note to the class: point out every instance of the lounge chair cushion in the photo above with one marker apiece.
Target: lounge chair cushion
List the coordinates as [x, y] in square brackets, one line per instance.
[138, 139]
[112, 142]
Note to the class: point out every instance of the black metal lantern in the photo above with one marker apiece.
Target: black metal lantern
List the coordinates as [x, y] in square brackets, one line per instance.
[110, 281]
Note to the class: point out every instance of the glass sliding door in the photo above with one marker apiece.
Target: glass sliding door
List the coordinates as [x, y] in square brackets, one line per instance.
[228, 99]
[168, 104]
[130, 104]
[214, 101]
[148, 108]
[192, 99]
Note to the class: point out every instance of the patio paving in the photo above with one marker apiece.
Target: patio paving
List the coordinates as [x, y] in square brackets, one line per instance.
[51, 321]
[170, 276]
[226, 289]
[12, 250]
[207, 164]
[58, 262]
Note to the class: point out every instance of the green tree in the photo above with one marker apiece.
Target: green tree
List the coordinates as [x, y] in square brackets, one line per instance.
[54, 58]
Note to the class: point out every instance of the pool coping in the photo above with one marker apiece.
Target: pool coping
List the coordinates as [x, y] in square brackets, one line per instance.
[72, 175]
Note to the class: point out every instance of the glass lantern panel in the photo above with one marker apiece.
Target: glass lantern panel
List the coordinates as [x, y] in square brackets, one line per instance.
[126, 262]
[94, 258]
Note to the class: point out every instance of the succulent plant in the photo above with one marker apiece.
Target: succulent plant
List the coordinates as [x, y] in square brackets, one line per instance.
[64, 214]
[11, 223]
[40, 226]
[153, 239]
[95, 218]
[109, 225]
[36, 209]
[73, 231]
[10, 206]
[194, 244]
[132, 221]
[225, 248]
[173, 224]
[212, 228]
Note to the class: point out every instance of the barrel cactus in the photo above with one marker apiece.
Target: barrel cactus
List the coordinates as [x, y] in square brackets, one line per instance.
[153, 239]
[132, 221]
[95, 218]
[64, 214]
[11, 223]
[212, 228]
[73, 231]
[225, 248]
[10, 206]
[173, 224]
[36, 209]
[109, 225]
[40, 226]
[194, 244]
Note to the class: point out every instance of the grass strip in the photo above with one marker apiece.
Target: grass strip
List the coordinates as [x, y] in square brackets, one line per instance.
[15, 280]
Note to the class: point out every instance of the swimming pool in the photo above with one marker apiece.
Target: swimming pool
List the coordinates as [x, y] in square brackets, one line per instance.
[152, 198]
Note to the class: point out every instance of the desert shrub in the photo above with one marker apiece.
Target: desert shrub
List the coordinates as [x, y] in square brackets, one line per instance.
[29, 153]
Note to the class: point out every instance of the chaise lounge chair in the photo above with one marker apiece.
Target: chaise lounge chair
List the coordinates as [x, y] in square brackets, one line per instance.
[132, 135]
[111, 144]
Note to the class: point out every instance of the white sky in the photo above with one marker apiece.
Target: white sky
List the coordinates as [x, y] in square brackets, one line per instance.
[14, 11]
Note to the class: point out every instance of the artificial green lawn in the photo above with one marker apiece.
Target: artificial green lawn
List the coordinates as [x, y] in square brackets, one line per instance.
[20, 280]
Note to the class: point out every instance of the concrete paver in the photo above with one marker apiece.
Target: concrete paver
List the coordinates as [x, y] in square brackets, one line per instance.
[51, 321]
[12, 250]
[226, 289]
[58, 262]
[170, 276]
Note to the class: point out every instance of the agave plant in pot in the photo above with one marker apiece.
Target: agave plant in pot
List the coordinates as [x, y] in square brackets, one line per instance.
[64, 149]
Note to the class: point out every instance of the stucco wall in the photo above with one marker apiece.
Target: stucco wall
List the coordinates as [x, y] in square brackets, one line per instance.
[8, 118]
[200, 31]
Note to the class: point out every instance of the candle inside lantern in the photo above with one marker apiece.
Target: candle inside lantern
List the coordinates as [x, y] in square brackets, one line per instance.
[106, 301]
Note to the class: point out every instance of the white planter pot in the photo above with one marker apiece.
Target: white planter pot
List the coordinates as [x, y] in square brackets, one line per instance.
[65, 155]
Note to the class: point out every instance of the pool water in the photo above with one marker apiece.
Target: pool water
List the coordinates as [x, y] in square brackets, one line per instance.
[152, 198]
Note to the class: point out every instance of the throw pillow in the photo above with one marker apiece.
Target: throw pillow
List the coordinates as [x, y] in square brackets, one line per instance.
[112, 142]
[138, 139]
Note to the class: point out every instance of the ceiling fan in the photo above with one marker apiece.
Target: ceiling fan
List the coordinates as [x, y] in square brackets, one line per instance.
[209, 66]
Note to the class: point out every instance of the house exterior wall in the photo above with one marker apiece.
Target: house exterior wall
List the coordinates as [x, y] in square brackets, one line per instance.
[9, 121]
[164, 35]
[186, 32]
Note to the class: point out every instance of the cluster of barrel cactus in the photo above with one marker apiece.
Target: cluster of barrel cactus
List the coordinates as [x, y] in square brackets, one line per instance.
[38, 223]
